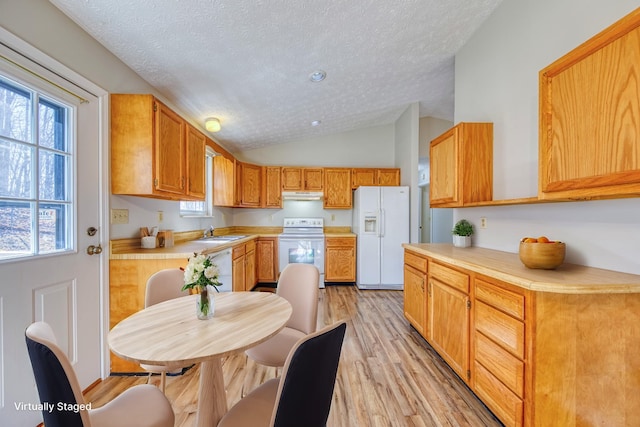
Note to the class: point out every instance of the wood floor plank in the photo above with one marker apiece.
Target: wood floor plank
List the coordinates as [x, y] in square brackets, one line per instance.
[388, 374]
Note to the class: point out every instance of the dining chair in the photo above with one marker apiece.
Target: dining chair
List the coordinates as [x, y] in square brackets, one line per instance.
[163, 285]
[139, 406]
[302, 395]
[298, 284]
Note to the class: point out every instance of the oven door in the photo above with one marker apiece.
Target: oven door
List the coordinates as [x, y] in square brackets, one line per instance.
[307, 250]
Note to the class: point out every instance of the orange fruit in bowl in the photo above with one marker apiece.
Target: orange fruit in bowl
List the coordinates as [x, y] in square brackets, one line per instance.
[543, 239]
[530, 240]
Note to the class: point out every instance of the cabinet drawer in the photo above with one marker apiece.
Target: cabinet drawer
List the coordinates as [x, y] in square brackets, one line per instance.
[340, 241]
[451, 277]
[506, 301]
[415, 261]
[238, 251]
[250, 246]
[503, 365]
[506, 405]
[501, 328]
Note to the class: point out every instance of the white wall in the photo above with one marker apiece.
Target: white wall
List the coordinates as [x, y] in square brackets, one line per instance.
[406, 152]
[45, 27]
[359, 148]
[497, 80]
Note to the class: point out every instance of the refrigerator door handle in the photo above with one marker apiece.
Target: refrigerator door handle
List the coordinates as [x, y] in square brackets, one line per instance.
[381, 223]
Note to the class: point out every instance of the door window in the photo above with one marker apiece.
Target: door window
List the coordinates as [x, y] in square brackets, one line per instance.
[36, 172]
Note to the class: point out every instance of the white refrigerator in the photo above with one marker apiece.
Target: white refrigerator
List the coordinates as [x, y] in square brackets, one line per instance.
[381, 223]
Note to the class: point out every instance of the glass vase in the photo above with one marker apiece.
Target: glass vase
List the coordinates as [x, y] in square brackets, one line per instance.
[205, 303]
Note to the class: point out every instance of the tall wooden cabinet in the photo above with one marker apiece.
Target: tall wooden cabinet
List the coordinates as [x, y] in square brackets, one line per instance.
[461, 168]
[149, 151]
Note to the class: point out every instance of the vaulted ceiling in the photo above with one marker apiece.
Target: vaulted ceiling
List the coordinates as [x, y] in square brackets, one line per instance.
[248, 62]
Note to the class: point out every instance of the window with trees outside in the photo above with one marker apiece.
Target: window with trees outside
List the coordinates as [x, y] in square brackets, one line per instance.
[36, 167]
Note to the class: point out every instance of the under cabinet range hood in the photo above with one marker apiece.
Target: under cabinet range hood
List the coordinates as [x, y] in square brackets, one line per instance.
[302, 195]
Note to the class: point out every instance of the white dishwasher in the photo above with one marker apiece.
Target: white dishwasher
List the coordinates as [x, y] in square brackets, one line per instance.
[223, 260]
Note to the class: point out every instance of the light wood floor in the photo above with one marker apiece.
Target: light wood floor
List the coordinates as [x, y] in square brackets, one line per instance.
[388, 375]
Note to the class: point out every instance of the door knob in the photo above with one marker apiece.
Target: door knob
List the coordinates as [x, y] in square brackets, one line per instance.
[94, 250]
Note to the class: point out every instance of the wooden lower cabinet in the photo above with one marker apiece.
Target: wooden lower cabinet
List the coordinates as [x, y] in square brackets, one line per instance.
[127, 287]
[340, 259]
[243, 262]
[535, 358]
[267, 259]
[449, 314]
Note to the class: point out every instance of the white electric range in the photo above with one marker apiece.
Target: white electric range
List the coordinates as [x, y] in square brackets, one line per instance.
[302, 241]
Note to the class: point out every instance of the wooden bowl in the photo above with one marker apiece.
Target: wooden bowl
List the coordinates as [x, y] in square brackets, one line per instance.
[546, 256]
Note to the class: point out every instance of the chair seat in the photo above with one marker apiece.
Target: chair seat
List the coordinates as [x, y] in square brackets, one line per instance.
[140, 406]
[275, 350]
[254, 409]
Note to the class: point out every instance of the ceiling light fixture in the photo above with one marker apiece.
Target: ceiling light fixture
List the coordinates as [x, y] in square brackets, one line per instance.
[316, 123]
[212, 124]
[317, 76]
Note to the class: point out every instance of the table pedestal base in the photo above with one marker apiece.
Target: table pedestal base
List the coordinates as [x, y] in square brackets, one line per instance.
[212, 397]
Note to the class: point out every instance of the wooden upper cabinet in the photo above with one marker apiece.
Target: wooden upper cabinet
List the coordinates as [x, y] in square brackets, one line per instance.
[387, 177]
[302, 179]
[223, 181]
[374, 177]
[196, 146]
[249, 184]
[590, 117]
[337, 188]
[462, 165]
[272, 187]
[149, 154]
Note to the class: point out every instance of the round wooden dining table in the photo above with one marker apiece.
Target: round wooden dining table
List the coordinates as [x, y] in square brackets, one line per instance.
[169, 333]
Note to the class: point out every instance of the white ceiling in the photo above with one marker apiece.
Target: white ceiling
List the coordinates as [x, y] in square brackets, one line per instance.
[248, 62]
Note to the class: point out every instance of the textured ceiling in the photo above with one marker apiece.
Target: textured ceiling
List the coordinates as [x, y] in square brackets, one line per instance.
[248, 62]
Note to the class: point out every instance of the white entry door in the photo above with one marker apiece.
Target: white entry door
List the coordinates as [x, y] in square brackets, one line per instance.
[48, 223]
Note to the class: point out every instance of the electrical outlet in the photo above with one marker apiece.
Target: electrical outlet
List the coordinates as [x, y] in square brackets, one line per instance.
[160, 216]
[119, 216]
[483, 222]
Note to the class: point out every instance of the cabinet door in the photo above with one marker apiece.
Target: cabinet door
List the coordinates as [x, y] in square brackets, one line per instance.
[292, 179]
[272, 186]
[238, 273]
[267, 259]
[415, 298]
[340, 259]
[313, 179]
[196, 144]
[444, 169]
[337, 188]
[388, 176]
[250, 184]
[223, 181]
[449, 326]
[169, 153]
[250, 270]
[363, 176]
[589, 139]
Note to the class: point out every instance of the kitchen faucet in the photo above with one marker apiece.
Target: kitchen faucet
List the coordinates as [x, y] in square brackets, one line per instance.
[210, 232]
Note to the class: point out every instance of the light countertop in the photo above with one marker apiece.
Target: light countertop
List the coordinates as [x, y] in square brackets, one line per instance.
[506, 266]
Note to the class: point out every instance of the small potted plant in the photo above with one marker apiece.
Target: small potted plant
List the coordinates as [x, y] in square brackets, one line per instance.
[462, 232]
[201, 276]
